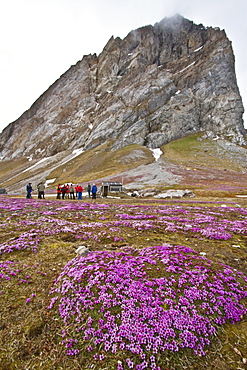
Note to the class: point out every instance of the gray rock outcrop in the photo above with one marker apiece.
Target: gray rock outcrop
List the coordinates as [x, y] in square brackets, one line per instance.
[158, 84]
[82, 250]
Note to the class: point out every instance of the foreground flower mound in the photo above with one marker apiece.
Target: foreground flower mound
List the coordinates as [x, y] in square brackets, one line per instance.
[133, 306]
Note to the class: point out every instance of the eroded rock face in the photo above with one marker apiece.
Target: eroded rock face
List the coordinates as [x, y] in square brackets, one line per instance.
[158, 84]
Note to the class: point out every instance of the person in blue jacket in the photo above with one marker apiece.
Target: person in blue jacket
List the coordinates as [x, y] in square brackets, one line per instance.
[94, 191]
[29, 190]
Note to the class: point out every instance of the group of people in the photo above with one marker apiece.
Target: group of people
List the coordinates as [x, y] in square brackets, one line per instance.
[68, 191]
[40, 188]
[75, 191]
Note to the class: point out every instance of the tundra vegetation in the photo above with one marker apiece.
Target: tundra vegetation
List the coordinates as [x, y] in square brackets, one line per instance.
[163, 286]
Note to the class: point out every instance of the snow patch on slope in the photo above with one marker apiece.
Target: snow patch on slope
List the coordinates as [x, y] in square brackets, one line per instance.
[157, 152]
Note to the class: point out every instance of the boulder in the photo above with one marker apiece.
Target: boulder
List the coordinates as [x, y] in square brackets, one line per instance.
[82, 250]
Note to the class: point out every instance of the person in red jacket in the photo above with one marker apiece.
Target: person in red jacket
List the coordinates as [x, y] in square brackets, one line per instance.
[79, 191]
[67, 190]
[63, 189]
[76, 190]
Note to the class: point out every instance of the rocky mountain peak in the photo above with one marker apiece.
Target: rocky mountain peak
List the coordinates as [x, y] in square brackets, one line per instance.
[158, 84]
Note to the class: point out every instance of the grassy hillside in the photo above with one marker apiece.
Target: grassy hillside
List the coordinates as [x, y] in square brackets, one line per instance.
[101, 162]
[194, 151]
[201, 164]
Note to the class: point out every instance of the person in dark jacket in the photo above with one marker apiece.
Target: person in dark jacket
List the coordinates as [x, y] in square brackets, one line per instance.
[89, 190]
[94, 191]
[59, 191]
[29, 190]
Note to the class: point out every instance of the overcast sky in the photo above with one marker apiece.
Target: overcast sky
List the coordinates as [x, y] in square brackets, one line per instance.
[41, 39]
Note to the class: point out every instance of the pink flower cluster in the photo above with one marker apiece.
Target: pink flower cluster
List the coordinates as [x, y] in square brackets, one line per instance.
[145, 301]
[34, 220]
[137, 303]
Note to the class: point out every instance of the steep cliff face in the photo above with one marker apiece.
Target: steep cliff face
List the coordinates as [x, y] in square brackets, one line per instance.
[158, 84]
